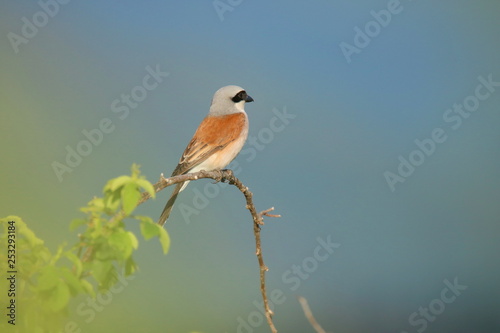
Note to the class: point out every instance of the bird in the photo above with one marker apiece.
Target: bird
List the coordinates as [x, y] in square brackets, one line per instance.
[217, 141]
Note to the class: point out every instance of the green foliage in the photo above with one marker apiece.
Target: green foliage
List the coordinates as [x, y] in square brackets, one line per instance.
[46, 282]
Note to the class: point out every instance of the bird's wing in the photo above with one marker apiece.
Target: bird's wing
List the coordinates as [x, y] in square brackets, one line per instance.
[213, 134]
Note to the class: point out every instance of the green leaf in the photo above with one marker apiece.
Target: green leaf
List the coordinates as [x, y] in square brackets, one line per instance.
[149, 229]
[101, 270]
[75, 223]
[97, 228]
[59, 297]
[112, 201]
[130, 197]
[135, 170]
[130, 266]
[121, 241]
[48, 279]
[147, 186]
[116, 183]
[164, 240]
[72, 281]
[58, 254]
[78, 266]
[95, 206]
[133, 240]
[105, 274]
[23, 230]
[88, 287]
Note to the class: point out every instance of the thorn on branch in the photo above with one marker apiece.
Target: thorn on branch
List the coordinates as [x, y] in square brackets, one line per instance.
[266, 213]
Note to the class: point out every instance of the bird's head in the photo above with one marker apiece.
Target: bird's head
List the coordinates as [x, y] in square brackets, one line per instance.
[229, 99]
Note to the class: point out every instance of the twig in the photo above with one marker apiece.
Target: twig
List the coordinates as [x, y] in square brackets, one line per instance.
[308, 313]
[228, 176]
[217, 175]
[258, 221]
[266, 213]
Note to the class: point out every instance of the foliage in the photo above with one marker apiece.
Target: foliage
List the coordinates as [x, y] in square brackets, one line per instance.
[45, 282]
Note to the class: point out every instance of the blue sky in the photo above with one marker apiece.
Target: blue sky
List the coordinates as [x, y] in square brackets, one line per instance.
[348, 124]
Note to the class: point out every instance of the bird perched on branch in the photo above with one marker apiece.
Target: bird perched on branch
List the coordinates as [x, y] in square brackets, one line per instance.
[216, 142]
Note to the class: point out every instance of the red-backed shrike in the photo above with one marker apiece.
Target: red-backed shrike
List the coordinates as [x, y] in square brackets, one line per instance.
[217, 141]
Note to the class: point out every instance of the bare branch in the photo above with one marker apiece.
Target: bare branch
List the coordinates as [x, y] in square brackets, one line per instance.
[309, 315]
[266, 213]
[228, 176]
[217, 175]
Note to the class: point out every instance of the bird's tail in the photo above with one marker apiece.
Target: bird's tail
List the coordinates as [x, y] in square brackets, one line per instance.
[170, 204]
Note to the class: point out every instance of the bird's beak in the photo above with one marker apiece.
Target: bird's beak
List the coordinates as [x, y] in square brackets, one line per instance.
[248, 99]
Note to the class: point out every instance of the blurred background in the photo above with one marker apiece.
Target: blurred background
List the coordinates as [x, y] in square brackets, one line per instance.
[342, 90]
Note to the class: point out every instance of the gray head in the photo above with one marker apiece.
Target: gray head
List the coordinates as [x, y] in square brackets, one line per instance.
[229, 99]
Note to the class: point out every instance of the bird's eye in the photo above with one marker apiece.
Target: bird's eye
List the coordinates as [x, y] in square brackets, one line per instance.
[242, 95]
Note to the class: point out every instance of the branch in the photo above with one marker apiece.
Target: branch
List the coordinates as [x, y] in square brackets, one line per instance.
[308, 313]
[163, 182]
[228, 176]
